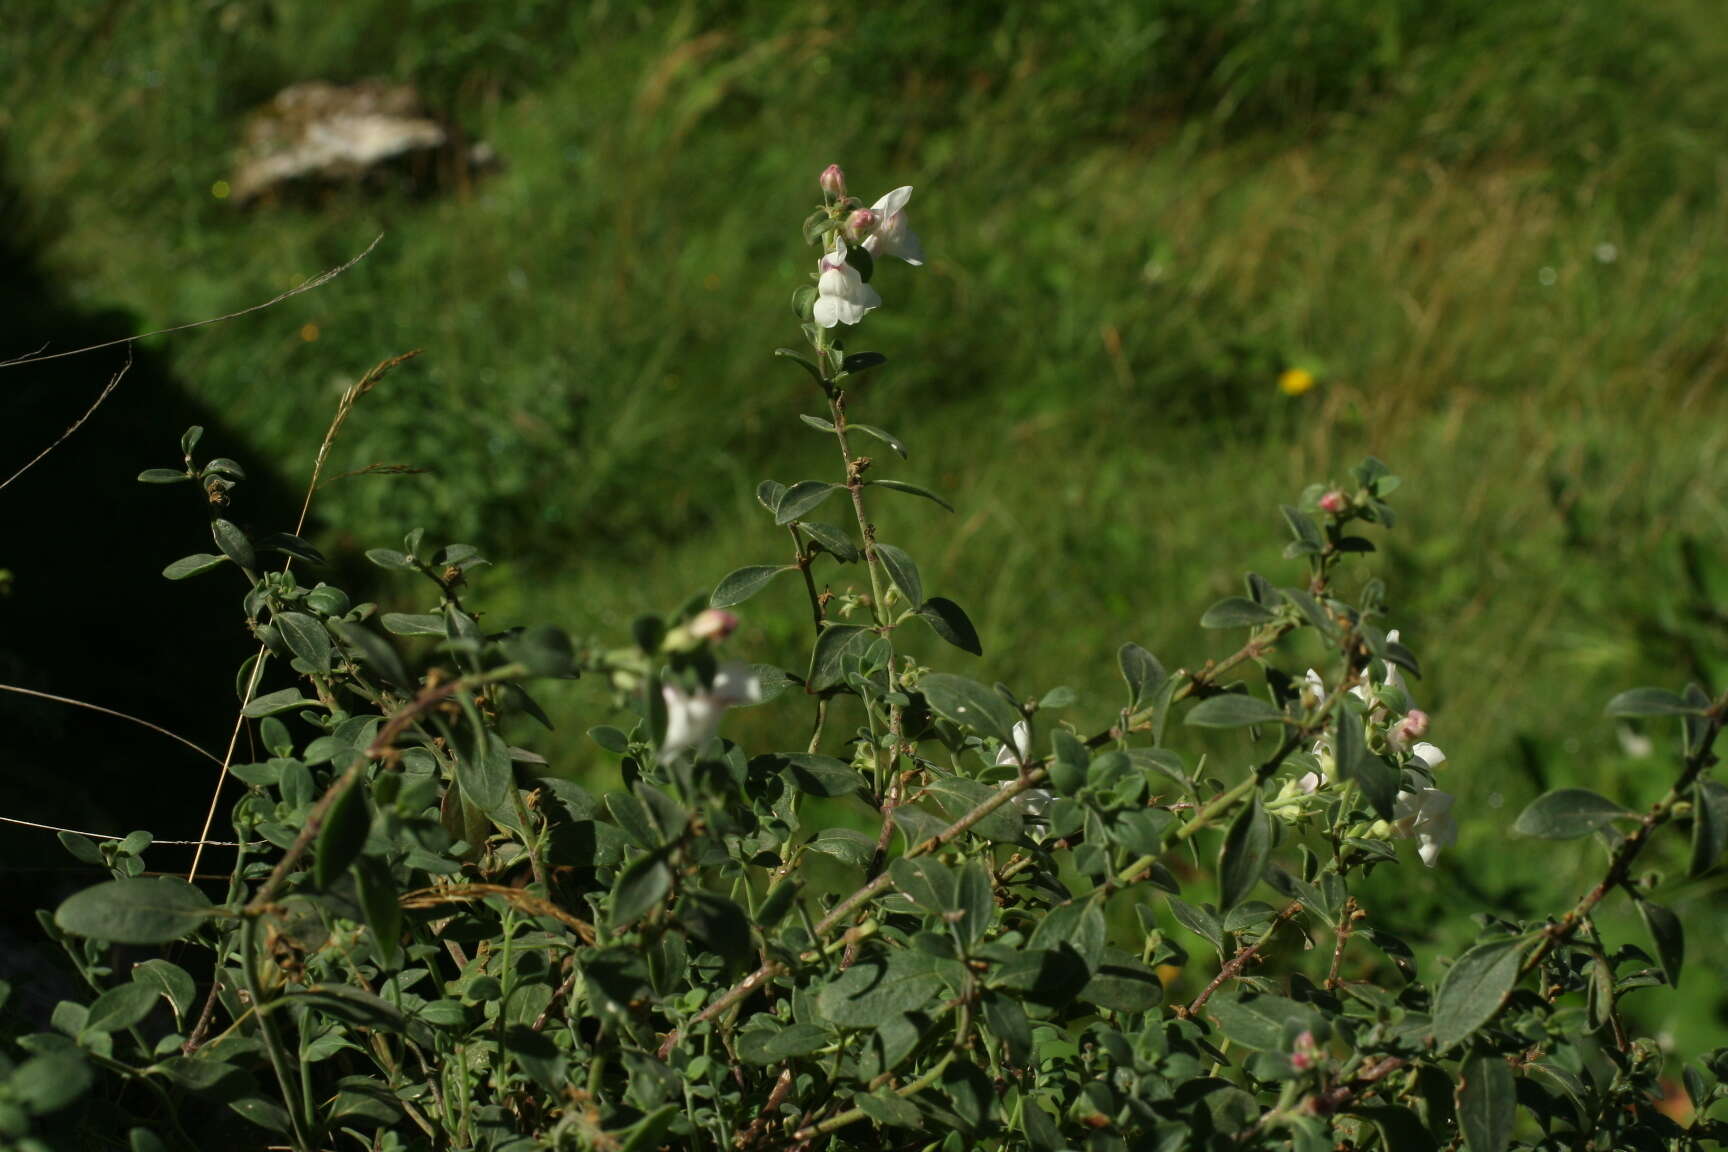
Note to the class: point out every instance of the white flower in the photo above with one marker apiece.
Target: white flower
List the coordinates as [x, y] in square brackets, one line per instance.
[842, 297]
[1635, 744]
[1313, 689]
[1021, 748]
[893, 237]
[1034, 802]
[1311, 782]
[1394, 674]
[693, 719]
[1425, 815]
[1430, 755]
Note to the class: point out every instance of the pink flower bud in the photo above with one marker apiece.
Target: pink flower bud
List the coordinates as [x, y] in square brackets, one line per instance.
[1306, 1052]
[1414, 726]
[833, 181]
[713, 624]
[1334, 502]
[861, 223]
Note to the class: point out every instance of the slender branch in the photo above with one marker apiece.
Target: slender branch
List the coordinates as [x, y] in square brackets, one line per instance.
[1241, 960]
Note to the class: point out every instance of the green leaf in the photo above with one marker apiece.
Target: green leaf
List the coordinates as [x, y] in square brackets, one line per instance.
[342, 836]
[172, 981]
[838, 544]
[371, 649]
[1487, 1102]
[838, 646]
[1473, 990]
[846, 844]
[48, 1082]
[414, 624]
[911, 490]
[903, 572]
[928, 883]
[874, 989]
[1242, 859]
[881, 434]
[1201, 920]
[1709, 825]
[380, 906]
[970, 705]
[640, 887]
[957, 796]
[285, 700]
[892, 1111]
[740, 585]
[1305, 533]
[1258, 1022]
[769, 493]
[862, 362]
[801, 498]
[306, 638]
[193, 565]
[232, 543]
[1237, 612]
[825, 775]
[949, 621]
[818, 423]
[485, 775]
[121, 1007]
[772, 1043]
[1232, 710]
[614, 740]
[1566, 814]
[163, 476]
[390, 561]
[1144, 674]
[189, 439]
[1122, 983]
[977, 903]
[135, 911]
[1668, 936]
[803, 362]
[720, 924]
[1651, 702]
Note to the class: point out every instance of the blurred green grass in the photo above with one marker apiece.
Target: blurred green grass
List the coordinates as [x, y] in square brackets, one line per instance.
[1494, 232]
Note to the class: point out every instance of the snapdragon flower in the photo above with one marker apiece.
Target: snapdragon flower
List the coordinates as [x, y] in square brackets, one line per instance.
[693, 719]
[842, 297]
[892, 235]
[1426, 816]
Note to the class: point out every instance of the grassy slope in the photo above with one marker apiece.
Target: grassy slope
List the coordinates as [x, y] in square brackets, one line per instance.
[1134, 225]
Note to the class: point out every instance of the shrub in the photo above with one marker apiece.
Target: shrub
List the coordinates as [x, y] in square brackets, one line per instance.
[958, 917]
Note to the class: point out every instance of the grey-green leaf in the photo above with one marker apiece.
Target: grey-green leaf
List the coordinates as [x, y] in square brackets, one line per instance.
[1487, 1102]
[1668, 936]
[1709, 825]
[1651, 702]
[738, 586]
[233, 543]
[911, 490]
[1143, 672]
[121, 1007]
[883, 435]
[801, 498]
[970, 705]
[902, 571]
[306, 638]
[1567, 813]
[193, 565]
[1237, 612]
[1247, 848]
[949, 621]
[1232, 710]
[1473, 990]
[141, 910]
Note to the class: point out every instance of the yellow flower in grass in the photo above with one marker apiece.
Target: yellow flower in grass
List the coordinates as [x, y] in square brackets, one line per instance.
[1295, 381]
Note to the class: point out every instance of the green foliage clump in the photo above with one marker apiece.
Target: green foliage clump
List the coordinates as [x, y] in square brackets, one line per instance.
[946, 914]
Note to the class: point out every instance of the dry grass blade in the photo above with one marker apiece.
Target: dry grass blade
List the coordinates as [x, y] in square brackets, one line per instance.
[466, 893]
[317, 281]
[113, 383]
[358, 389]
[175, 736]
